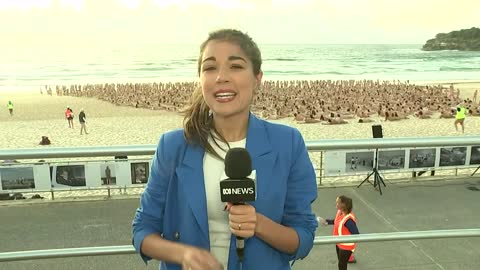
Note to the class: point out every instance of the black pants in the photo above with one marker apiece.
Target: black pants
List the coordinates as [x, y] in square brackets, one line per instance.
[343, 256]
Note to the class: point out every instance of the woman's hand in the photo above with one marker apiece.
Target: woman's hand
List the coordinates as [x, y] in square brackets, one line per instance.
[194, 258]
[243, 219]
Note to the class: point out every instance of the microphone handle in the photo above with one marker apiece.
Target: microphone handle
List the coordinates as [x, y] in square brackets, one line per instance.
[240, 243]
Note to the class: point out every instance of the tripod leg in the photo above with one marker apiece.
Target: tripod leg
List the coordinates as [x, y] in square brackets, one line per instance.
[375, 182]
[381, 180]
[365, 180]
[378, 179]
[475, 171]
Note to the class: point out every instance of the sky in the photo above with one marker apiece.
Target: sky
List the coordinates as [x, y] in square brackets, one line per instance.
[30, 22]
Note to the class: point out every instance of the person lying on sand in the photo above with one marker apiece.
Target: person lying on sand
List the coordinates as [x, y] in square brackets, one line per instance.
[447, 114]
[365, 120]
[335, 122]
[311, 119]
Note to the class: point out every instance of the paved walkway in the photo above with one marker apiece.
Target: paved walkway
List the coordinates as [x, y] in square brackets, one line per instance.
[403, 207]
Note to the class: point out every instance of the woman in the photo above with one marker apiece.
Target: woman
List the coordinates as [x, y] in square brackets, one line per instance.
[69, 117]
[345, 223]
[460, 118]
[182, 221]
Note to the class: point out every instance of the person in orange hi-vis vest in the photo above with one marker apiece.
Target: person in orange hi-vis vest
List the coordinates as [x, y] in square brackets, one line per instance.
[345, 223]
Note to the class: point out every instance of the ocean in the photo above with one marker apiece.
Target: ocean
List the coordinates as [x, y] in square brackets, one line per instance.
[33, 67]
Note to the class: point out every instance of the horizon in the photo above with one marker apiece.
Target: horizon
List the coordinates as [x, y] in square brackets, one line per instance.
[71, 41]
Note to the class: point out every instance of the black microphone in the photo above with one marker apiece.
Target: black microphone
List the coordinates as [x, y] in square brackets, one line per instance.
[238, 188]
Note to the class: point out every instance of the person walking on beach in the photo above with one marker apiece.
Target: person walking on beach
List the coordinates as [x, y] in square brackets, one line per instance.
[83, 121]
[345, 223]
[69, 117]
[10, 107]
[460, 118]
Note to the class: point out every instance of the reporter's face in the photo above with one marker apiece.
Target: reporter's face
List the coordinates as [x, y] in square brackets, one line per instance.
[227, 79]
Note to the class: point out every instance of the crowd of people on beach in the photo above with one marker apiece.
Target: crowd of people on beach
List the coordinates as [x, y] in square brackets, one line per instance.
[320, 101]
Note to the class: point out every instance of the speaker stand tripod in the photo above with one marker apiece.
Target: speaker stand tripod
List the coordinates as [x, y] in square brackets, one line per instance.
[377, 178]
[475, 171]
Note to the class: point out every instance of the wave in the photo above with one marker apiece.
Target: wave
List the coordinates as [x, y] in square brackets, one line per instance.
[335, 73]
[299, 72]
[28, 79]
[150, 69]
[459, 69]
[283, 59]
[67, 70]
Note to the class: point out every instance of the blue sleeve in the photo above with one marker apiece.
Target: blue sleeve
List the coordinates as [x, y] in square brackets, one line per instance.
[352, 226]
[301, 192]
[149, 217]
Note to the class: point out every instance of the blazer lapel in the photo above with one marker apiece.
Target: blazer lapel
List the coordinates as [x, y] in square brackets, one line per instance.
[190, 174]
[260, 149]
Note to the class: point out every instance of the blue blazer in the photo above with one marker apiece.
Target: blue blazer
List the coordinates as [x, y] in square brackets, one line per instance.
[174, 201]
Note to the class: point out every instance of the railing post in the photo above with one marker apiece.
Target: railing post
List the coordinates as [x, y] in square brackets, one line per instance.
[321, 168]
[108, 188]
[53, 196]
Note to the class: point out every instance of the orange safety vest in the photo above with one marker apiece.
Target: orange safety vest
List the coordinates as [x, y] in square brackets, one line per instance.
[340, 229]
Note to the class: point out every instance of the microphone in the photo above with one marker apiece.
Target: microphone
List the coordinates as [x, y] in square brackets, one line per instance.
[238, 188]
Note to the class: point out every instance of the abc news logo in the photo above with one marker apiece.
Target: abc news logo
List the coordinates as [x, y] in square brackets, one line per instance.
[238, 191]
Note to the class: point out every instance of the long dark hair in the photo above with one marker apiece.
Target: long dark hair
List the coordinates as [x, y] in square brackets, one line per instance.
[197, 121]
[347, 203]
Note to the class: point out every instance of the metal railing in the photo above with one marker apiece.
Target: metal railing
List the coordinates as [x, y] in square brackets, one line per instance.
[148, 150]
[319, 240]
[312, 146]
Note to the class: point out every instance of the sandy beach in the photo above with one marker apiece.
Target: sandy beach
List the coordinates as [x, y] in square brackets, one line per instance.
[467, 88]
[37, 115]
